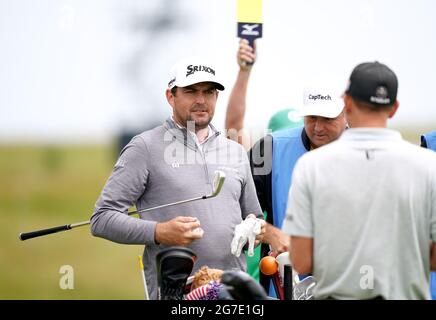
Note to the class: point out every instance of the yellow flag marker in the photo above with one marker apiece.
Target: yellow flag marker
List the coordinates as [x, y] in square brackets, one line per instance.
[141, 266]
[249, 19]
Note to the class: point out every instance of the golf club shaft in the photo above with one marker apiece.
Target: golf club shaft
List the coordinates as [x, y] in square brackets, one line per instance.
[277, 285]
[43, 232]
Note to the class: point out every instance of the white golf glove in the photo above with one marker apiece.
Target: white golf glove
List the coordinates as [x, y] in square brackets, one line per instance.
[247, 230]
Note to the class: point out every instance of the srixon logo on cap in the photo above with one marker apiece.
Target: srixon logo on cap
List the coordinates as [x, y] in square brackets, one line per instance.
[319, 97]
[192, 69]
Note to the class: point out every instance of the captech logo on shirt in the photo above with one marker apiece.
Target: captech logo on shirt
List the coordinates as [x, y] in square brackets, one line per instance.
[192, 69]
[319, 97]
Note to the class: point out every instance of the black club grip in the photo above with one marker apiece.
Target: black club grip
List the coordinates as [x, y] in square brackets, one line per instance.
[288, 281]
[43, 232]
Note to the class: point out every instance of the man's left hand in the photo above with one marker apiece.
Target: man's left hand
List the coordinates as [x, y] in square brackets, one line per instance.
[252, 230]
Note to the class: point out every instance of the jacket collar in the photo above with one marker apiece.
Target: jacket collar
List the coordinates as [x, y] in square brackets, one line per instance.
[181, 133]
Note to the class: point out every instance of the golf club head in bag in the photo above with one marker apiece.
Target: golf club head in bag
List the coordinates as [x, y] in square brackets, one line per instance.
[173, 265]
[303, 290]
[238, 285]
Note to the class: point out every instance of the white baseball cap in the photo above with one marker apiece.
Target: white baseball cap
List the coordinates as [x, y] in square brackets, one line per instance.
[321, 102]
[194, 70]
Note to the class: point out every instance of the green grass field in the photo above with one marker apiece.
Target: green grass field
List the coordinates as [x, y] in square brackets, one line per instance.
[44, 186]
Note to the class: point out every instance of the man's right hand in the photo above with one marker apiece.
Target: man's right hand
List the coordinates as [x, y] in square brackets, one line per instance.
[277, 239]
[246, 55]
[178, 231]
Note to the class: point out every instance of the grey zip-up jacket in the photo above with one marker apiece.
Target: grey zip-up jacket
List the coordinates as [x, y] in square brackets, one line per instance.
[165, 165]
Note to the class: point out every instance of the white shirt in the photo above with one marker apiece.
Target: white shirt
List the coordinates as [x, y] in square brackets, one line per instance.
[368, 200]
[199, 144]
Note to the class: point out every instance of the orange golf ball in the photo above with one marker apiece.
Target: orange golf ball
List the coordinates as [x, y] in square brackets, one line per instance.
[268, 265]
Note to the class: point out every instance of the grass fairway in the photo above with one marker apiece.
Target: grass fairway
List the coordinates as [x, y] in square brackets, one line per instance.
[45, 186]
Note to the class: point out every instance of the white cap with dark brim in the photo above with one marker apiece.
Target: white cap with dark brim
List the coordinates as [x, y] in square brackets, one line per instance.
[189, 71]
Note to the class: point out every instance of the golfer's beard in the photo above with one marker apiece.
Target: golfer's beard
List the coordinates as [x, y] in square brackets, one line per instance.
[199, 123]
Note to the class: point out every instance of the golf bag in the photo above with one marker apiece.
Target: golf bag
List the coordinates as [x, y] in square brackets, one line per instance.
[174, 265]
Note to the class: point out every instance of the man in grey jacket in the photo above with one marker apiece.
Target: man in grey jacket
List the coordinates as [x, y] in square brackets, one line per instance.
[177, 161]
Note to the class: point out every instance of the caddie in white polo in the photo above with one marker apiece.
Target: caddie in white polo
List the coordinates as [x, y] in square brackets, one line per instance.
[362, 210]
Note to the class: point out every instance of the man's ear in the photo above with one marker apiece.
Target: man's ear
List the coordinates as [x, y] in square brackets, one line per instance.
[347, 103]
[170, 97]
[394, 109]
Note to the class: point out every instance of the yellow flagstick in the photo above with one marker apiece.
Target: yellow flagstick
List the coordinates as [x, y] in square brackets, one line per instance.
[141, 266]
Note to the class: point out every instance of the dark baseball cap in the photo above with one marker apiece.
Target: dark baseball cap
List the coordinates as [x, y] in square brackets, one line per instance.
[373, 82]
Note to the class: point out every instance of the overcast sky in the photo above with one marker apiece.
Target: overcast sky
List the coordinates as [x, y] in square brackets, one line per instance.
[87, 69]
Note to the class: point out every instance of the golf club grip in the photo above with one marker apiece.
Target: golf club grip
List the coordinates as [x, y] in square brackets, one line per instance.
[287, 281]
[43, 232]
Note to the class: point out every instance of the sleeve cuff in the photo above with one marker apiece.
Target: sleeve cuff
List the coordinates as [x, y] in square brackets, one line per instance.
[149, 228]
[290, 229]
